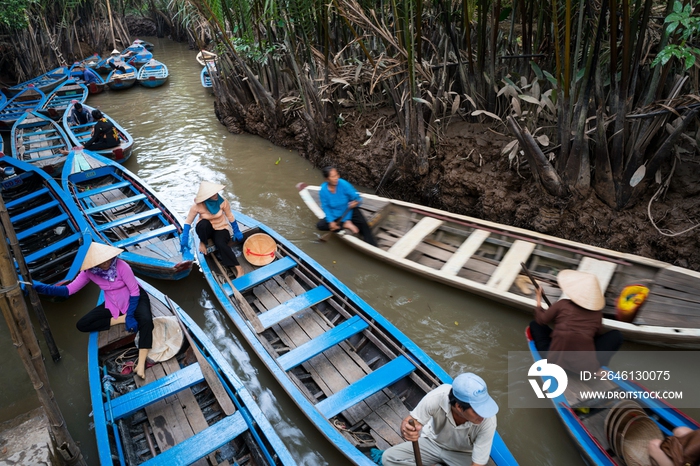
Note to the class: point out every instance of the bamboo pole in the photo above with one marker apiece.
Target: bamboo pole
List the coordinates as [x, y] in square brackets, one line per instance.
[111, 25]
[14, 309]
[24, 270]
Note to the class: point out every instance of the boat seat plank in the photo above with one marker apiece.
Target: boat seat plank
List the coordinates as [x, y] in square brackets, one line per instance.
[132, 240]
[509, 268]
[260, 275]
[32, 212]
[128, 404]
[113, 205]
[602, 269]
[26, 198]
[38, 133]
[465, 251]
[102, 189]
[368, 385]
[128, 219]
[32, 141]
[42, 226]
[202, 443]
[321, 343]
[294, 305]
[414, 237]
[53, 248]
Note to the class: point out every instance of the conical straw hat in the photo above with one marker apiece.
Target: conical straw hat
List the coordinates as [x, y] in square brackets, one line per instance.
[259, 249]
[99, 253]
[206, 190]
[115, 52]
[582, 288]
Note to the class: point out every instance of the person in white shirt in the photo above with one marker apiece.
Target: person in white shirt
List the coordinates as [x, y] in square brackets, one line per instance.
[453, 424]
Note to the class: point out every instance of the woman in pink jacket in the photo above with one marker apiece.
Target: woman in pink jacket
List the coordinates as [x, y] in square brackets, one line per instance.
[124, 301]
[216, 223]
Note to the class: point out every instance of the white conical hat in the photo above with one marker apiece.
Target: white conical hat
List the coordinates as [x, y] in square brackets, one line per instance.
[99, 253]
[582, 288]
[206, 190]
[115, 52]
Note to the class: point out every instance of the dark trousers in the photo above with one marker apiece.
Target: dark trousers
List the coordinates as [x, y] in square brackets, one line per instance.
[98, 320]
[359, 220]
[101, 145]
[605, 345]
[221, 238]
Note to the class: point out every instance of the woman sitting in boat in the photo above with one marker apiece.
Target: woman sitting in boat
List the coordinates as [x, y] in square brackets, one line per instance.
[124, 301]
[216, 223]
[577, 342]
[340, 202]
[79, 115]
[104, 133]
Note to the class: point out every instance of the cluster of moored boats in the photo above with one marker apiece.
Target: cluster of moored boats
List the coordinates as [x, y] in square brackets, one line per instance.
[349, 369]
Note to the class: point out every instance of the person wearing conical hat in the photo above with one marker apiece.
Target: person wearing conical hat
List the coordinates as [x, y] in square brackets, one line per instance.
[578, 325]
[125, 302]
[216, 224]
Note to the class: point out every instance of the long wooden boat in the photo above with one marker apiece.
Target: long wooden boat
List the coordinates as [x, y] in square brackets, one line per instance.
[484, 258]
[102, 66]
[38, 139]
[91, 61]
[125, 212]
[352, 373]
[140, 59]
[191, 408]
[46, 82]
[29, 98]
[80, 134]
[143, 43]
[118, 79]
[153, 74]
[587, 423]
[205, 56]
[93, 87]
[205, 77]
[70, 91]
[52, 233]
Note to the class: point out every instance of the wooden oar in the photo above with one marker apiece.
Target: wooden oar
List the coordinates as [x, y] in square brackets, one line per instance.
[537, 286]
[416, 447]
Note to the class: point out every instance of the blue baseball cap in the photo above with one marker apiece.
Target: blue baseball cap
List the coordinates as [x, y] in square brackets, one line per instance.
[470, 388]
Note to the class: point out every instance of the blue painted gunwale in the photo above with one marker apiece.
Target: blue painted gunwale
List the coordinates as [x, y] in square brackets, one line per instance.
[38, 125]
[140, 59]
[80, 238]
[46, 82]
[29, 98]
[153, 74]
[173, 267]
[80, 134]
[499, 452]
[3, 100]
[255, 420]
[61, 97]
[669, 418]
[116, 82]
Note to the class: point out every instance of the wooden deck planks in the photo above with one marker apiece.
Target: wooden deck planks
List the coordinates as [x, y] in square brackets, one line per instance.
[509, 268]
[408, 242]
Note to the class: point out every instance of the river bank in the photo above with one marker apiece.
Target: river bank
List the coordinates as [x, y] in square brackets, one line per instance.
[469, 175]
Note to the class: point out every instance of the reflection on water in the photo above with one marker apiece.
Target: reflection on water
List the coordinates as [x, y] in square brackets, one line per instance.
[179, 143]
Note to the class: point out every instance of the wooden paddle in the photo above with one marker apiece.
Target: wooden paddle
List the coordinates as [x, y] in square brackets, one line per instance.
[416, 447]
[536, 285]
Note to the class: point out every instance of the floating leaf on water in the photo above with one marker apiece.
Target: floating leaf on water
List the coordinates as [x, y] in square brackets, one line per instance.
[278, 161]
[456, 323]
[638, 176]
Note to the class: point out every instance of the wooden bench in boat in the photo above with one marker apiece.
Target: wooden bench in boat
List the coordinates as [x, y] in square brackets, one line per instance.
[130, 241]
[414, 237]
[42, 226]
[509, 268]
[368, 385]
[26, 198]
[466, 250]
[294, 305]
[115, 204]
[32, 212]
[103, 189]
[53, 248]
[128, 219]
[260, 275]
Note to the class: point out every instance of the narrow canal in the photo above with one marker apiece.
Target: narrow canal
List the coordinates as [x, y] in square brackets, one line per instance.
[179, 143]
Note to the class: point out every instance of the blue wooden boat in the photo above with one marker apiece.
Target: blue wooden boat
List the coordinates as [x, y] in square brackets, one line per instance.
[190, 409]
[140, 59]
[587, 421]
[29, 98]
[91, 61]
[70, 91]
[80, 134]
[118, 79]
[52, 233]
[205, 77]
[3, 100]
[153, 74]
[46, 82]
[102, 66]
[92, 87]
[143, 43]
[345, 365]
[38, 139]
[133, 49]
[125, 212]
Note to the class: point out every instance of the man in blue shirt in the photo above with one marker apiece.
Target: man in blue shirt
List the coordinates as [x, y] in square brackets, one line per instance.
[340, 201]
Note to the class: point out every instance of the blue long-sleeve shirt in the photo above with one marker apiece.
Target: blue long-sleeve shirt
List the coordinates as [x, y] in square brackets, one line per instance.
[335, 204]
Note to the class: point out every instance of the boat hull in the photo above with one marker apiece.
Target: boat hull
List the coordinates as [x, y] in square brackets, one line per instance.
[468, 263]
[38, 139]
[80, 134]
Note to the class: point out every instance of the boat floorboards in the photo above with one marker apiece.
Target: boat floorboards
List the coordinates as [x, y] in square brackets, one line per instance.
[673, 301]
